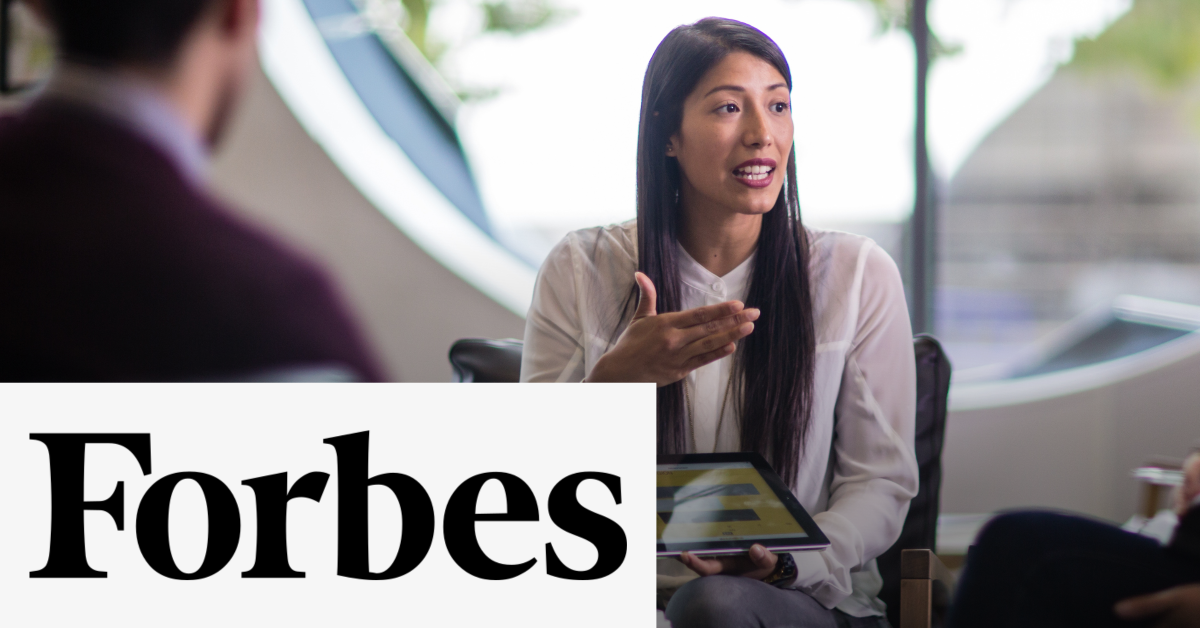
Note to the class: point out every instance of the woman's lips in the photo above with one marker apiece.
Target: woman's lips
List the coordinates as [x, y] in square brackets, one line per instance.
[755, 173]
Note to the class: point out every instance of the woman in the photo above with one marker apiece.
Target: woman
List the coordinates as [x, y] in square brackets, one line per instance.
[762, 335]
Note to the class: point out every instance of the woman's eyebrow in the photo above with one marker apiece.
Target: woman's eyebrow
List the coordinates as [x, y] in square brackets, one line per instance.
[731, 88]
[739, 88]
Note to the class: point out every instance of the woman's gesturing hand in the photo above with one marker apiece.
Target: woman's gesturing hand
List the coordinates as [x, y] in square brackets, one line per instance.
[664, 348]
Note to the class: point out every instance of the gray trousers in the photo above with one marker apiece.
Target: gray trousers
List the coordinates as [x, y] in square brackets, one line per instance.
[737, 602]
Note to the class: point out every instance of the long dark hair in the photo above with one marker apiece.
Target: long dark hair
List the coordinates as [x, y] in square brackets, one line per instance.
[773, 367]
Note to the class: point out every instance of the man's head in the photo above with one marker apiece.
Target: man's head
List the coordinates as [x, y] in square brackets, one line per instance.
[199, 51]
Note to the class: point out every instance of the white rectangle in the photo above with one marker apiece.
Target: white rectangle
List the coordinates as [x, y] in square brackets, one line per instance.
[438, 434]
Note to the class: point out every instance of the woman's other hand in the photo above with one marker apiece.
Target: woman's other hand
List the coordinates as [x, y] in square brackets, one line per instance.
[757, 564]
[664, 348]
[1174, 608]
[1190, 489]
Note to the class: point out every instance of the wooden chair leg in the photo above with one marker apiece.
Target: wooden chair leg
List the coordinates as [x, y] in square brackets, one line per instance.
[920, 574]
[916, 603]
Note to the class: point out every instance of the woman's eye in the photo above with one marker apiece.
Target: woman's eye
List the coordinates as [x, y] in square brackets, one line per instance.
[779, 107]
[728, 108]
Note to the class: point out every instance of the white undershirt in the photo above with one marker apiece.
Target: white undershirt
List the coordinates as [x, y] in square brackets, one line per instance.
[707, 385]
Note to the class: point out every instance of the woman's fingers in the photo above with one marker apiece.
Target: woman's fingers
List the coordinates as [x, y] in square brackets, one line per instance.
[715, 565]
[647, 297]
[718, 340]
[663, 348]
[705, 358]
[702, 315]
[717, 326]
[763, 559]
[759, 564]
[715, 339]
[702, 566]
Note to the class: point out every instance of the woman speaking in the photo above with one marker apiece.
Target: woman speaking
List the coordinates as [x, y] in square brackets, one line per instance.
[762, 335]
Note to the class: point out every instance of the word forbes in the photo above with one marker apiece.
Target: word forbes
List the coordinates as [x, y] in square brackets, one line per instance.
[68, 555]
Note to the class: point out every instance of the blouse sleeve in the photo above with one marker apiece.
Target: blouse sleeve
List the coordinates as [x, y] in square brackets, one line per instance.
[874, 470]
[553, 349]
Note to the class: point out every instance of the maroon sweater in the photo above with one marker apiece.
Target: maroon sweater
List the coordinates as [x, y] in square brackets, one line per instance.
[114, 268]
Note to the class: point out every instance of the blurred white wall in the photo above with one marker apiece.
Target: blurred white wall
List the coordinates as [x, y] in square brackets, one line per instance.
[410, 307]
[1069, 440]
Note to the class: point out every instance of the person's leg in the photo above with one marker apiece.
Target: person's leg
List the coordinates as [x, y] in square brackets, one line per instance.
[737, 602]
[1046, 569]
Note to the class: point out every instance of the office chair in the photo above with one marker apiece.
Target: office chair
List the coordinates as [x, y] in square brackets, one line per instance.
[476, 360]
[917, 587]
[295, 374]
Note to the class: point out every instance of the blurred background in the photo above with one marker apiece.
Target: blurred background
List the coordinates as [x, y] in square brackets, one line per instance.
[430, 152]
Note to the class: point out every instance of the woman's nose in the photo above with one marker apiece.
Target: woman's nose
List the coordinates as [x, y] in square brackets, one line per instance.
[756, 134]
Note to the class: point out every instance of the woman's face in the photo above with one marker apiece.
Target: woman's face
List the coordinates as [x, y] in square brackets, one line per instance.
[735, 137]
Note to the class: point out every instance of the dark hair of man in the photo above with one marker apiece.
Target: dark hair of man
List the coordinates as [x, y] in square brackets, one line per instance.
[773, 368]
[115, 32]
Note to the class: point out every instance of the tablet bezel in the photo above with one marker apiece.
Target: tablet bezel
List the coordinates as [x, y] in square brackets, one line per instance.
[815, 540]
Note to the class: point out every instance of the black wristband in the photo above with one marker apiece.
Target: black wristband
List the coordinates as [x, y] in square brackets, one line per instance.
[785, 572]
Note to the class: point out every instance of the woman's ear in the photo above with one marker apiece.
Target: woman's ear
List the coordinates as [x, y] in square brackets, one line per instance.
[671, 144]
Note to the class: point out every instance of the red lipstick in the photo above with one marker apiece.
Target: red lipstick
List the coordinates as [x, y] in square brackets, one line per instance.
[755, 173]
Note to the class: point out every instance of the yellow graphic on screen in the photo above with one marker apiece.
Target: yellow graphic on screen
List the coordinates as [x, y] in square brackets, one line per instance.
[722, 504]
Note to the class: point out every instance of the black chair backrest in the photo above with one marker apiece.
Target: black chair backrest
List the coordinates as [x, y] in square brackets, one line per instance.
[500, 361]
[476, 360]
[304, 374]
[920, 527]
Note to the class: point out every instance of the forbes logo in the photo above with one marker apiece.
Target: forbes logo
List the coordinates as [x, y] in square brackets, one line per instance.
[272, 494]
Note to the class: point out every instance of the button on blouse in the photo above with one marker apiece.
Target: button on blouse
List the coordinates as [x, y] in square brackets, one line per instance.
[707, 385]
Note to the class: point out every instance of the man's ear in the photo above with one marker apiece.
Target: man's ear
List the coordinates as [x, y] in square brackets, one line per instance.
[39, 10]
[236, 17]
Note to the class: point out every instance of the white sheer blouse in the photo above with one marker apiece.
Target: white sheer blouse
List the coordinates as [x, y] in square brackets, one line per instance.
[857, 472]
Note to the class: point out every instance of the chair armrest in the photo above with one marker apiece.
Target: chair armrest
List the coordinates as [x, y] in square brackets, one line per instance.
[926, 586]
[923, 564]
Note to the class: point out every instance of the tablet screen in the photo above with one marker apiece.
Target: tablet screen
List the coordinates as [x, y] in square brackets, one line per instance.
[720, 502]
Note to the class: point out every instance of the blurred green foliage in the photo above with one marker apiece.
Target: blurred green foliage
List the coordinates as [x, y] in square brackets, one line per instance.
[897, 14]
[514, 17]
[416, 26]
[517, 18]
[1158, 39]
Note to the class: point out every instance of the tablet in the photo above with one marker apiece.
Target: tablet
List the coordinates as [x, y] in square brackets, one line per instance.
[724, 503]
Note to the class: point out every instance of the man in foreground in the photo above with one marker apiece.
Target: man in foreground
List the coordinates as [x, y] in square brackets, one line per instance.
[1048, 569]
[115, 262]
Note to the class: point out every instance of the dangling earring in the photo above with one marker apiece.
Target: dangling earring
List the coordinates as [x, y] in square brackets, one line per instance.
[676, 196]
